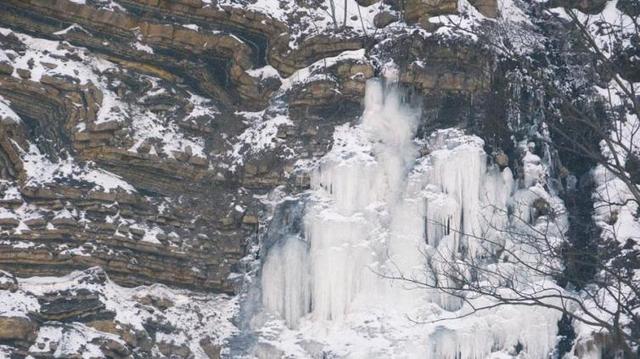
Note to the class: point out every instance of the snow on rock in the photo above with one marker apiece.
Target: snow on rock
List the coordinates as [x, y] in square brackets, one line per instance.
[262, 130]
[73, 27]
[261, 133]
[311, 72]
[17, 304]
[110, 5]
[50, 58]
[307, 20]
[188, 317]
[193, 27]
[461, 24]
[201, 107]
[146, 125]
[41, 171]
[171, 141]
[39, 51]
[47, 57]
[150, 233]
[264, 72]
[143, 47]
[511, 12]
[7, 115]
[73, 339]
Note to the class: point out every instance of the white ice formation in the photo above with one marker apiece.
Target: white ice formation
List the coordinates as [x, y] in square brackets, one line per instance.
[382, 218]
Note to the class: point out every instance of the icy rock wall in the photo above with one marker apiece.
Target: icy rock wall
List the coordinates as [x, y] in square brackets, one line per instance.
[379, 215]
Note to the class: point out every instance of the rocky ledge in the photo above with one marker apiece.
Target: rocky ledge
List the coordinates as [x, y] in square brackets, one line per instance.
[84, 314]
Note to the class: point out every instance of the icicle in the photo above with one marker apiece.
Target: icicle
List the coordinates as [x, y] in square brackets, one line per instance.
[285, 280]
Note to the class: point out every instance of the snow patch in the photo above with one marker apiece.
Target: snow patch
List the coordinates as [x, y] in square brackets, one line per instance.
[41, 171]
[7, 115]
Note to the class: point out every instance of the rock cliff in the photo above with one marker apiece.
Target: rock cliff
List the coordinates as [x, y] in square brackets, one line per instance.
[139, 140]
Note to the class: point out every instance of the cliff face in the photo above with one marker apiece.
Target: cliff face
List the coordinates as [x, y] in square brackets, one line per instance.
[145, 128]
[142, 136]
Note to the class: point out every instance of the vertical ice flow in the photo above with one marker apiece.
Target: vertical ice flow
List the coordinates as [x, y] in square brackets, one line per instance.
[378, 210]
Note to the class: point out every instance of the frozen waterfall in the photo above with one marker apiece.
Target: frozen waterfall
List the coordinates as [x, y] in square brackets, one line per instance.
[379, 218]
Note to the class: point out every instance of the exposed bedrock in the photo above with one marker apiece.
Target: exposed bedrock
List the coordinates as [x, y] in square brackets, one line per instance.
[151, 37]
[192, 242]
